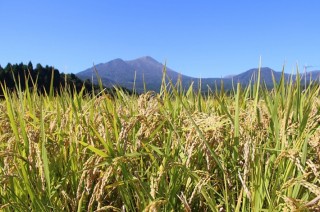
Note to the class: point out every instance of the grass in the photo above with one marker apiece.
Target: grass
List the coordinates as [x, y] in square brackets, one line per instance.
[253, 150]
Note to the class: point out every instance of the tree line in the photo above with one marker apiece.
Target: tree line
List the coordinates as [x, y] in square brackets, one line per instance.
[21, 75]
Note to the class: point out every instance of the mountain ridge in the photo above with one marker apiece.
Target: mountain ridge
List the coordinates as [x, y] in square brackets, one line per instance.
[147, 72]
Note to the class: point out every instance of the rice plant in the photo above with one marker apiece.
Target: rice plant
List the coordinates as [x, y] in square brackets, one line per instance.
[177, 150]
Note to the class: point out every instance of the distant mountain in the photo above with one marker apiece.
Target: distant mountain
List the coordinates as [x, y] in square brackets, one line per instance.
[266, 75]
[313, 75]
[148, 71]
[124, 73]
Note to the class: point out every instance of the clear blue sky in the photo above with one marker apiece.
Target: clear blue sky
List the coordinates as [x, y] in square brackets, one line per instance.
[196, 38]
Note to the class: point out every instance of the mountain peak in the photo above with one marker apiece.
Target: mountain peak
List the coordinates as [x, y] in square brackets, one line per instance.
[262, 69]
[117, 60]
[147, 58]
[144, 72]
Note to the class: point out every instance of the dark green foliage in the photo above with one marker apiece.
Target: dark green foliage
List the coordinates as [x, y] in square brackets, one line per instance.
[20, 76]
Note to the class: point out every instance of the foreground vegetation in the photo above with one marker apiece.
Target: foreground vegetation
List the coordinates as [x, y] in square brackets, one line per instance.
[253, 150]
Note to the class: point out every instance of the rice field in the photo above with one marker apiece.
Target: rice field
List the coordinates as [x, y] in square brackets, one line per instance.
[252, 149]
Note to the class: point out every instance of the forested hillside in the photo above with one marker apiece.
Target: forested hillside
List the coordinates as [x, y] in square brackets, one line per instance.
[40, 77]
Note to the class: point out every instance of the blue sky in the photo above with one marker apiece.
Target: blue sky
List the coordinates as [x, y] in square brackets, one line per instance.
[196, 38]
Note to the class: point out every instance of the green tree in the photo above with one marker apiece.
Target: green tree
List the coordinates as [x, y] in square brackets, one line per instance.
[30, 66]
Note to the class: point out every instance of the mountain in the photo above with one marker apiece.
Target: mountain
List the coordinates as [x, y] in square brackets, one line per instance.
[148, 72]
[266, 75]
[313, 75]
[144, 70]
[110, 73]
